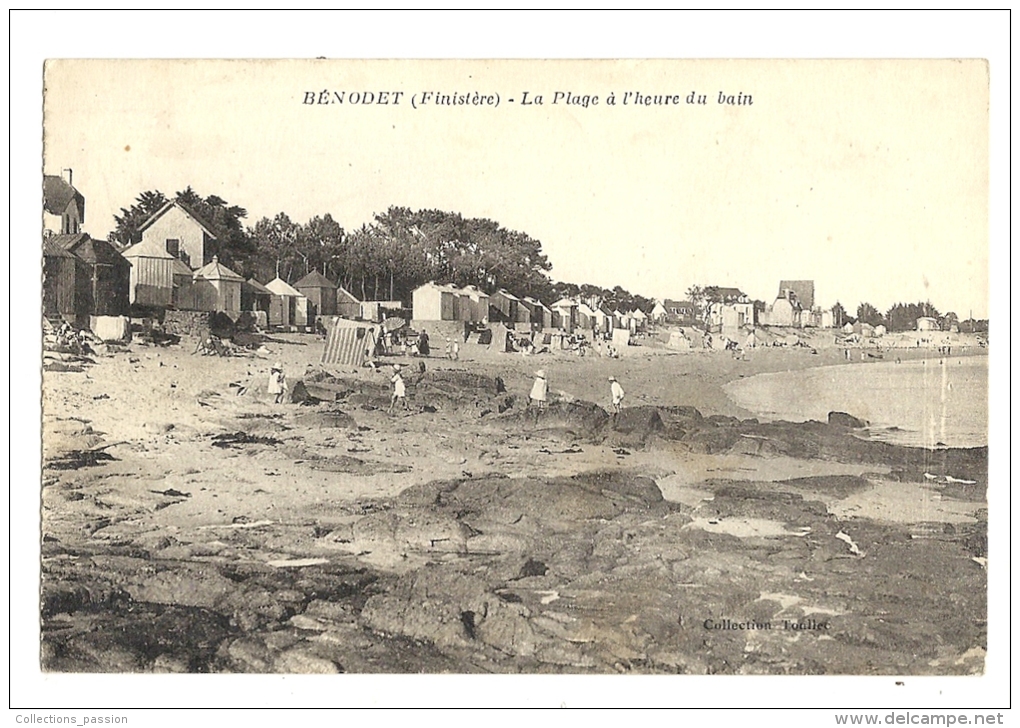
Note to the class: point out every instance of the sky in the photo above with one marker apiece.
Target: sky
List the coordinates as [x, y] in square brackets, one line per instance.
[868, 177]
[682, 210]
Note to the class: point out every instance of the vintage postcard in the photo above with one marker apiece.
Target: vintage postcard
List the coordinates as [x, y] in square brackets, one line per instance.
[586, 367]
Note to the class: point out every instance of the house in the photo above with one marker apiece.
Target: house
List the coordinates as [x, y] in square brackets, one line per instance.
[152, 275]
[104, 287]
[320, 292]
[802, 291]
[288, 307]
[432, 302]
[785, 311]
[63, 205]
[659, 312]
[179, 232]
[926, 323]
[217, 288]
[348, 305]
[864, 330]
[683, 313]
[729, 316]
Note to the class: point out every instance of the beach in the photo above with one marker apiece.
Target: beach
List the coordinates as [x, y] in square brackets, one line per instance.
[192, 525]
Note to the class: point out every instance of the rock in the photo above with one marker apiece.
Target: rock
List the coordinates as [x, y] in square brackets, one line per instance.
[302, 661]
[299, 394]
[452, 611]
[842, 419]
[251, 654]
[301, 621]
[634, 426]
[331, 419]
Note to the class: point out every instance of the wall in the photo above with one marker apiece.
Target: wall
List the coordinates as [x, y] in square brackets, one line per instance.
[431, 304]
[152, 281]
[175, 223]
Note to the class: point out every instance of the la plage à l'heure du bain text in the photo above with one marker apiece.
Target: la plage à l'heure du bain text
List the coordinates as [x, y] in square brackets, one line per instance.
[426, 99]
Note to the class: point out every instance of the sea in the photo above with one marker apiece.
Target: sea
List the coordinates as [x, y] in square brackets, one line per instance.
[926, 403]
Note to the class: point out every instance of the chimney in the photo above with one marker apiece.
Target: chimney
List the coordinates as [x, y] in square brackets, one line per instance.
[67, 175]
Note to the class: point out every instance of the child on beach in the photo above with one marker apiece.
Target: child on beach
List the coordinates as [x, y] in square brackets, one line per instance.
[398, 389]
[539, 390]
[617, 392]
[277, 382]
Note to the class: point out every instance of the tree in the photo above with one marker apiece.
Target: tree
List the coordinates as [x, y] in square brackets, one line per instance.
[839, 315]
[870, 315]
[232, 244]
[127, 232]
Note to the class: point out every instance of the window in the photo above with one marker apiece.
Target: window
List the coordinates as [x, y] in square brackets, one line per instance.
[173, 246]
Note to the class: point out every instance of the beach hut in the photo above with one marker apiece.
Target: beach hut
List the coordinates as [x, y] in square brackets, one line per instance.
[565, 315]
[217, 288]
[926, 323]
[104, 289]
[848, 328]
[348, 305]
[255, 296]
[540, 314]
[61, 270]
[880, 330]
[151, 282]
[349, 344]
[864, 330]
[320, 292]
[432, 302]
[621, 338]
[480, 302]
[289, 307]
[506, 304]
[379, 310]
[500, 338]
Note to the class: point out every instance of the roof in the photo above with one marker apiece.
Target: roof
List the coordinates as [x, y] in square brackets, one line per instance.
[727, 292]
[506, 294]
[90, 250]
[216, 271]
[315, 279]
[165, 209]
[281, 288]
[258, 287]
[565, 303]
[180, 268]
[585, 309]
[670, 303]
[57, 195]
[345, 296]
[535, 302]
[146, 249]
[805, 291]
[53, 249]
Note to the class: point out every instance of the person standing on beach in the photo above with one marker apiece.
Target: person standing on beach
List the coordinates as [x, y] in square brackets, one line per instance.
[617, 392]
[277, 382]
[539, 390]
[399, 392]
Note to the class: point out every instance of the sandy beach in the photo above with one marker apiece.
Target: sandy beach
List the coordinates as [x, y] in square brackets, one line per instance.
[192, 525]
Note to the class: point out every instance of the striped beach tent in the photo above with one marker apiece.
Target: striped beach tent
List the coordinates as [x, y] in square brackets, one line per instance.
[349, 345]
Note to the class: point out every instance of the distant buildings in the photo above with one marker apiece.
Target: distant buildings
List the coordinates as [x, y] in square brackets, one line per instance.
[63, 205]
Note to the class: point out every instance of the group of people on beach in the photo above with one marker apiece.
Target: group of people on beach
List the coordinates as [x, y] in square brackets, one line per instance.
[537, 398]
[540, 392]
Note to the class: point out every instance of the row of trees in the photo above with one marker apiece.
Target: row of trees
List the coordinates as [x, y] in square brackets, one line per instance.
[383, 260]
